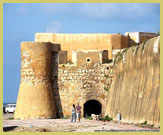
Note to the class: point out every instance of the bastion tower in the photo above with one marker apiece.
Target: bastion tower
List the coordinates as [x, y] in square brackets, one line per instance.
[35, 98]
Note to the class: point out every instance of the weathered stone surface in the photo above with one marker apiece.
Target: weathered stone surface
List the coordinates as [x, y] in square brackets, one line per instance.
[135, 90]
[89, 57]
[35, 98]
[71, 42]
[78, 84]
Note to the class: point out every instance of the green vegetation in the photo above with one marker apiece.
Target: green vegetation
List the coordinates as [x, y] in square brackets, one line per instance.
[152, 125]
[90, 118]
[63, 66]
[106, 89]
[107, 61]
[144, 123]
[119, 56]
[144, 42]
[106, 118]
[10, 118]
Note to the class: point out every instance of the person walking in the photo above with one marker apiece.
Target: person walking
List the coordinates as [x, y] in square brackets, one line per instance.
[73, 116]
[78, 110]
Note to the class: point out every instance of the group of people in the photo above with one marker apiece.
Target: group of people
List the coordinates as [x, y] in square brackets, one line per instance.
[76, 111]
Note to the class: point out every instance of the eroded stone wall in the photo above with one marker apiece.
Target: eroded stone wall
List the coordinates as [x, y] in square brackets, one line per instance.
[135, 91]
[35, 97]
[80, 84]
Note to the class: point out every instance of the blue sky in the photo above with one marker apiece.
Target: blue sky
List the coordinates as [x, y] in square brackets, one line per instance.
[22, 21]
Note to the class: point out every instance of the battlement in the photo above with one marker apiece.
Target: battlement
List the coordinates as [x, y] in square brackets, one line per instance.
[73, 42]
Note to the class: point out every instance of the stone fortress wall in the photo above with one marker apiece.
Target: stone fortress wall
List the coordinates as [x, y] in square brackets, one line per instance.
[135, 91]
[79, 83]
[81, 72]
[71, 42]
[35, 98]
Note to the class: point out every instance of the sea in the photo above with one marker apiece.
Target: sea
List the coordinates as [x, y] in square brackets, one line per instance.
[4, 104]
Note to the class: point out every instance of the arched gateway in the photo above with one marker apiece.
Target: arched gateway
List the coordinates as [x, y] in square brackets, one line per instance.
[92, 107]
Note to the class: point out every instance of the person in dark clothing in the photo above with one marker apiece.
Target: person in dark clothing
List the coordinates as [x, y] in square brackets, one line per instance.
[78, 110]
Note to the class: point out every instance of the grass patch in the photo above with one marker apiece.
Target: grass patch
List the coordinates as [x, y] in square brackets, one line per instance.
[90, 118]
[107, 118]
[11, 118]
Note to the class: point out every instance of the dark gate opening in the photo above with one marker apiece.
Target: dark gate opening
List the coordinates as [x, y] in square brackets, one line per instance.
[92, 107]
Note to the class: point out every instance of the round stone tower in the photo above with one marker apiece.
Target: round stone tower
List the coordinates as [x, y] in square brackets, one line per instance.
[35, 97]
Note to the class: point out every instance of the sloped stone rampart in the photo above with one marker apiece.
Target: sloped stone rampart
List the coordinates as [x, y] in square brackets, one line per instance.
[135, 91]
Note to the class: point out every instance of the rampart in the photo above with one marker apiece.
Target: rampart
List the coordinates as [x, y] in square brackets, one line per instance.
[135, 91]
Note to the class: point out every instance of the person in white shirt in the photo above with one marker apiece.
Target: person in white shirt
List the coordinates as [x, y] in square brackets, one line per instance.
[73, 116]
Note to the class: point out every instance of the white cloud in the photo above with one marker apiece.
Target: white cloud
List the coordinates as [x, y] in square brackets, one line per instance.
[97, 11]
[54, 27]
[115, 10]
[103, 10]
[91, 10]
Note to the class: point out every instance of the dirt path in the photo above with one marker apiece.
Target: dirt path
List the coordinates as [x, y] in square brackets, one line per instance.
[64, 125]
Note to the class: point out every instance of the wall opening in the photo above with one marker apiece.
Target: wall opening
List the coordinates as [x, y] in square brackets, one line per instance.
[92, 107]
[88, 60]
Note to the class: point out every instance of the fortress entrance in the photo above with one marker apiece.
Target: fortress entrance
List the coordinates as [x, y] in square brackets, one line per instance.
[92, 107]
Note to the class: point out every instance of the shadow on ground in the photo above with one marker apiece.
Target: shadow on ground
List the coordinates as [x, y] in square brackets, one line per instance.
[7, 129]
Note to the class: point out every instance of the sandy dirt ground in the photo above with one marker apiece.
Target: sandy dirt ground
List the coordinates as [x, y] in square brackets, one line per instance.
[65, 125]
